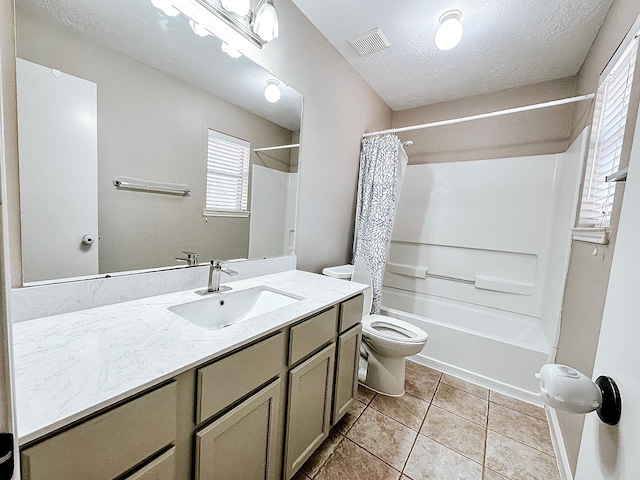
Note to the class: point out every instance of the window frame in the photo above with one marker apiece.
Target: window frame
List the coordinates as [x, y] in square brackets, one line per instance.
[214, 202]
[598, 230]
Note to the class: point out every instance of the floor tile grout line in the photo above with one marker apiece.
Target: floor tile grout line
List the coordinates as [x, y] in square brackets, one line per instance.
[371, 453]
[486, 438]
[415, 440]
[523, 444]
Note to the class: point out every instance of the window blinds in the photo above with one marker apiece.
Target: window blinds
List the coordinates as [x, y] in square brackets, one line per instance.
[607, 135]
[227, 175]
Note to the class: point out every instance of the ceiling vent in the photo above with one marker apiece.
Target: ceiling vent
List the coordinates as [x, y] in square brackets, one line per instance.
[370, 42]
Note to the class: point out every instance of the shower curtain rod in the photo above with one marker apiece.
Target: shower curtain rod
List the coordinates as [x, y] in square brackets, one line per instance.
[279, 147]
[497, 113]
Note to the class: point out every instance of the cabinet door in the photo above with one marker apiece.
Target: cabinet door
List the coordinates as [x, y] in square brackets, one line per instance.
[162, 468]
[346, 372]
[309, 410]
[242, 444]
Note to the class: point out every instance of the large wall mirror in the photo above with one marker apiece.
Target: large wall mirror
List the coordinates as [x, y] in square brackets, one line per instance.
[114, 88]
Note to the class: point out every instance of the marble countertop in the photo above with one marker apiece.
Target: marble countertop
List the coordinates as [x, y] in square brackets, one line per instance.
[71, 365]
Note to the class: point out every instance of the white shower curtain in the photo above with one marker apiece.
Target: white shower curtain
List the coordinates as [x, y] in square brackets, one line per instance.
[382, 165]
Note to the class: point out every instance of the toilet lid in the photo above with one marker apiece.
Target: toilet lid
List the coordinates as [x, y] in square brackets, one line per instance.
[393, 329]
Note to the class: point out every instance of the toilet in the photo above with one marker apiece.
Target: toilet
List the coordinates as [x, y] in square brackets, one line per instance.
[386, 342]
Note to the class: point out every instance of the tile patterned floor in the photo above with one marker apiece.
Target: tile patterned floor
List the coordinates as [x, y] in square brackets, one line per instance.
[442, 428]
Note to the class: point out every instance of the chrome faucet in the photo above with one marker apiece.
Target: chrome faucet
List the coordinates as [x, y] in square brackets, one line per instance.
[191, 260]
[215, 271]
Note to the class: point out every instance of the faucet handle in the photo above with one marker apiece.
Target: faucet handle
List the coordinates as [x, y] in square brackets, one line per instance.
[216, 263]
[190, 254]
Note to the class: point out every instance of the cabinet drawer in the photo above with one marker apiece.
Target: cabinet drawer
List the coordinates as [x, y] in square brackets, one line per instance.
[161, 468]
[227, 380]
[350, 312]
[312, 334]
[109, 444]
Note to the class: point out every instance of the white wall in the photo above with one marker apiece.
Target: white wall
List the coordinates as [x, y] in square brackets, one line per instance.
[611, 452]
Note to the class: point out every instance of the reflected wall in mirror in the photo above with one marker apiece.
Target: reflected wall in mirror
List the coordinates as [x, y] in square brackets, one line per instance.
[110, 88]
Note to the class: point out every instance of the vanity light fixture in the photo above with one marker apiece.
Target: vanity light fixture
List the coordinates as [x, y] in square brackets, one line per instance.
[258, 27]
[272, 91]
[264, 22]
[167, 8]
[239, 7]
[230, 50]
[449, 32]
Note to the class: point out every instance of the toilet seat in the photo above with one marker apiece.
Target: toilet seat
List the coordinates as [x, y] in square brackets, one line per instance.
[388, 328]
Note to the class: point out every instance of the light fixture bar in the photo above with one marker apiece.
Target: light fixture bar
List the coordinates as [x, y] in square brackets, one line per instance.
[232, 21]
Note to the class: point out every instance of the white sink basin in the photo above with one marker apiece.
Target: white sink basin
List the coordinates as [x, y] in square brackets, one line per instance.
[222, 309]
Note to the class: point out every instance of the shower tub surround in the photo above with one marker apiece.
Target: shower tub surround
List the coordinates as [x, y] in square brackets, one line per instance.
[478, 259]
[71, 365]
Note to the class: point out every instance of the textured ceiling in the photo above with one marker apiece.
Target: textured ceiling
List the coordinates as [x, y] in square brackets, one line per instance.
[506, 43]
[137, 29]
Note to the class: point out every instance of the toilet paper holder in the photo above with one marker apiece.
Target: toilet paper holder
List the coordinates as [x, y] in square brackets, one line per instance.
[566, 389]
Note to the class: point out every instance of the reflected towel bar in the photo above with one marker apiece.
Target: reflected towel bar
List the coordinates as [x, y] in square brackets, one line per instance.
[151, 186]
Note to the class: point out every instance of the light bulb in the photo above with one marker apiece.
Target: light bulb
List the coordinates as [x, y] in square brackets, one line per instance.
[272, 91]
[167, 8]
[240, 7]
[265, 22]
[450, 31]
[230, 50]
[198, 29]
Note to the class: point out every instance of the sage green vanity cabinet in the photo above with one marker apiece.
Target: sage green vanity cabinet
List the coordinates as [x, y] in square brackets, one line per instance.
[241, 445]
[256, 413]
[110, 444]
[309, 409]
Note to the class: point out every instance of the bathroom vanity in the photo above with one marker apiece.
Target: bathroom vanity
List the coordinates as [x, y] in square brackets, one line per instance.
[250, 401]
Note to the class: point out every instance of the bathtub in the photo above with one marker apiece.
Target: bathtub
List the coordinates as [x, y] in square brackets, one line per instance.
[496, 349]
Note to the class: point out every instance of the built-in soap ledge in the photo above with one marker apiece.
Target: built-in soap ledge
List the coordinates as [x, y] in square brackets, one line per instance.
[503, 286]
[407, 270]
[479, 281]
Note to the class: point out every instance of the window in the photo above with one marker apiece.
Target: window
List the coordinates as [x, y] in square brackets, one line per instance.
[605, 146]
[227, 176]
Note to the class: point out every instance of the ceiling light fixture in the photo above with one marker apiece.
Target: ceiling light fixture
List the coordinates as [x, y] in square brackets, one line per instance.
[230, 50]
[449, 32]
[272, 92]
[239, 7]
[264, 22]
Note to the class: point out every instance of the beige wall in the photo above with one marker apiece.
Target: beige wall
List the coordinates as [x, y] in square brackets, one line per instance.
[338, 108]
[588, 276]
[152, 126]
[529, 133]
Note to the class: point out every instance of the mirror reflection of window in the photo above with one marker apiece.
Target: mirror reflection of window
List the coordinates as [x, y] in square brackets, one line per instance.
[227, 175]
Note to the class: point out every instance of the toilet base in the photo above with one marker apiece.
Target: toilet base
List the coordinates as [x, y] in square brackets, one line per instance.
[385, 374]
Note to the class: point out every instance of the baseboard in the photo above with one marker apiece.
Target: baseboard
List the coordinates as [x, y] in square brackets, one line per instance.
[558, 445]
[483, 381]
